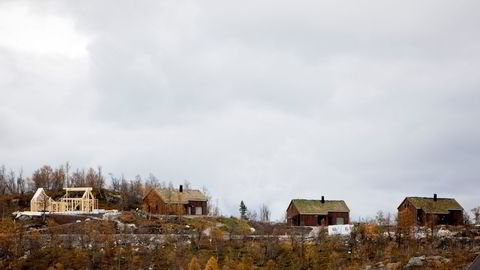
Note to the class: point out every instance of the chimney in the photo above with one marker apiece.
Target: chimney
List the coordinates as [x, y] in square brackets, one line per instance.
[323, 199]
[435, 197]
[181, 188]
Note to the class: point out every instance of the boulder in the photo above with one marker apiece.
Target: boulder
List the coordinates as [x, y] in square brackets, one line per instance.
[24, 217]
[415, 261]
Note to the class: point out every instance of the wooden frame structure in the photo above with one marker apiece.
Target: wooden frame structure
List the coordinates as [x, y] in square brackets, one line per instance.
[41, 202]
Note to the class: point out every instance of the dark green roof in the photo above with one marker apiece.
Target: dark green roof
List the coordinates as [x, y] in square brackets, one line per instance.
[317, 207]
[441, 206]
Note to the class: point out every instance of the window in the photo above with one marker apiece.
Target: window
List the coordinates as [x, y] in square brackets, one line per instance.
[340, 221]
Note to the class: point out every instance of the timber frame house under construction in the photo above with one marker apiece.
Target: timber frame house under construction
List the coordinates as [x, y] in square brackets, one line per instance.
[41, 202]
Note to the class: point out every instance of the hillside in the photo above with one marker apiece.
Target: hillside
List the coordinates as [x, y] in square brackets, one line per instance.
[132, 239]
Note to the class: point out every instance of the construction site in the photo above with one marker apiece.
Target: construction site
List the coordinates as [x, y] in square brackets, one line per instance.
[77, 200]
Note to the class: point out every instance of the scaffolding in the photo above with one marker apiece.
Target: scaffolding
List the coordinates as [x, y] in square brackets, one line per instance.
[41, 202]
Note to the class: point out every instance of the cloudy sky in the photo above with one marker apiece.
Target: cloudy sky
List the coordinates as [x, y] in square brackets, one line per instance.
[261, 101]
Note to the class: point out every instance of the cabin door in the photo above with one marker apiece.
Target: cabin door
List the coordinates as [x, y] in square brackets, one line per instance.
[321, 220]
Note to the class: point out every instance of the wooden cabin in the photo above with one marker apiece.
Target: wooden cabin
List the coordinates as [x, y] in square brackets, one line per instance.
[425, 210]
[175, 202]
[302, 212]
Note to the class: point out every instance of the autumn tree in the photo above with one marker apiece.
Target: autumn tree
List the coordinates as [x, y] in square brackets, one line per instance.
[212, 264]
[229, 264]
[48, 178]
[43, 177]
[271, 265]
[405, 223]
[432, 222]
[194, 265]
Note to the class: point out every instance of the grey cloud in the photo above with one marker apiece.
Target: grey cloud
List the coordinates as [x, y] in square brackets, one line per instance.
[262, 102]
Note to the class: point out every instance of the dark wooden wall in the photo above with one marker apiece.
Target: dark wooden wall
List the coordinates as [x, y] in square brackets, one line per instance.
[416, 217]
[456, 217]
[193, 204]
[308, 220]
[316, 220]
[292, 215]
[332, 217]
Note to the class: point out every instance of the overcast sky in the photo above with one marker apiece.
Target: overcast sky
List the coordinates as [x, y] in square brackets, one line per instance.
[261, 101]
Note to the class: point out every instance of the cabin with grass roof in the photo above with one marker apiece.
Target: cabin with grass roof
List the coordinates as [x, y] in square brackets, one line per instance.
[433, 210]
[167, 201]
[301, 212]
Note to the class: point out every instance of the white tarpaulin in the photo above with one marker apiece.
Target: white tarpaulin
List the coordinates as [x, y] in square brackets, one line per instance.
[340, 229]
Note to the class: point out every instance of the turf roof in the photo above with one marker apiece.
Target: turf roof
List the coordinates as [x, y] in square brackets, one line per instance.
[175, 196]
[317, 207]
[441, 206]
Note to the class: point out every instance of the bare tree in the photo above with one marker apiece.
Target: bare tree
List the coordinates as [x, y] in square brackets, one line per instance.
[43, 177]
[3, 180]
[135, 191]
[264, 213]
[67, 174]
[252, 215]
[20, 182]
[466, 218]
[78, 178]
[115, 182]
[163, 184]
[94, 179]
[151, 182]
[45, 203]
[215, 211]
[58, 179]
[124, 192]
[11, 183]
[209, 199]
[30, 185]
[186, 184]
[100, 179]
[476, 214]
